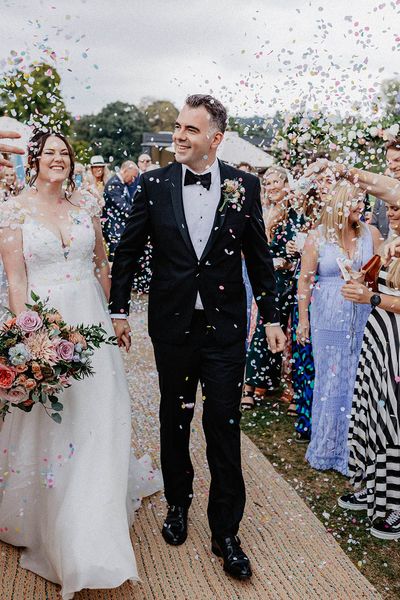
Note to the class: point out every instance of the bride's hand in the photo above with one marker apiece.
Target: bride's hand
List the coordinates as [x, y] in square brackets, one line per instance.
[122, 333]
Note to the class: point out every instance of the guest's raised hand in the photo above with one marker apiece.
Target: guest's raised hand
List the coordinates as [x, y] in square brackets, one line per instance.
[317, 167]
[391, 250]
[6, 148]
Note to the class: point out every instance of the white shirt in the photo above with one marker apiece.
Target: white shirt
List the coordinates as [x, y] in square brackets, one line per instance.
[200, 206]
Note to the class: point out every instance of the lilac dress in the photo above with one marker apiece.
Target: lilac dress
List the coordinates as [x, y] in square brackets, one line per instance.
[337, 328]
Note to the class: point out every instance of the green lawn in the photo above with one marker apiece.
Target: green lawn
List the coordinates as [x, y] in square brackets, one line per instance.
[273, 432]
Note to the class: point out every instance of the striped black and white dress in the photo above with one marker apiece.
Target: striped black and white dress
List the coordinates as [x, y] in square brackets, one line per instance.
[374, 433]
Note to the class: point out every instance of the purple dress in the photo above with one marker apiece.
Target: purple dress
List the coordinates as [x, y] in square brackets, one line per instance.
[337, 328]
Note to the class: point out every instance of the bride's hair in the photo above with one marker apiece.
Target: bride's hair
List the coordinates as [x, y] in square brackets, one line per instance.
[35, 149]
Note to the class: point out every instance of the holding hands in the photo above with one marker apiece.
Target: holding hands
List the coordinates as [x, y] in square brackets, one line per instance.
[122, 333]
[275, 337]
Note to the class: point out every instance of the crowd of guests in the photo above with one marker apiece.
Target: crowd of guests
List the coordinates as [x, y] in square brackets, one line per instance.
[338, 282]
[339, 374]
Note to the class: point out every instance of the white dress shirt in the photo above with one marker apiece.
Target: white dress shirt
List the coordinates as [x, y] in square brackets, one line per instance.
[200, 206]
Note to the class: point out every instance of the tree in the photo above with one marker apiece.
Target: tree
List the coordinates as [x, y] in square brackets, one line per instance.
[161, 115]
[115, 132]
[390, 91]
[33, 96]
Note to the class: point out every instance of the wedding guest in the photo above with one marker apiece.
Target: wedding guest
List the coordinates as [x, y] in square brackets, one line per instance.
[379, 215]
[132, 186]
[8, 183]
[374, 426]
[266, 199]
[79, 175]
[144, 161]
[336, 325]
[303, 371]
[263, 369]
[381, 186]
[99, 173]
[245, 166]
[118, 204]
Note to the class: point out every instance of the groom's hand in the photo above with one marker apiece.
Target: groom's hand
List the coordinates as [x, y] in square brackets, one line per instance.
[275, 337]
[122, 333]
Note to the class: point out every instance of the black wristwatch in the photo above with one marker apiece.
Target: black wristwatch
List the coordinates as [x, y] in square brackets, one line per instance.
[375, 300]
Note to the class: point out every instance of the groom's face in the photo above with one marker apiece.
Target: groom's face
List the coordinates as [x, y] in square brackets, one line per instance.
[195, 140]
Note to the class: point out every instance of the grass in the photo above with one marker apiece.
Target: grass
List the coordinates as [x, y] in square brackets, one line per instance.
[273, 432]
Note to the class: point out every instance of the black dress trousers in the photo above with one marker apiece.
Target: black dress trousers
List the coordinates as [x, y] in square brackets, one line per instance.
[220, 372]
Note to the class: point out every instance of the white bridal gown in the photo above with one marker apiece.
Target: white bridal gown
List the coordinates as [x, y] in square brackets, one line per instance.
[65, 494]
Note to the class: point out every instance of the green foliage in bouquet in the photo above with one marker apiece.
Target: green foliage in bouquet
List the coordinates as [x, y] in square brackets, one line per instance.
[40, 356]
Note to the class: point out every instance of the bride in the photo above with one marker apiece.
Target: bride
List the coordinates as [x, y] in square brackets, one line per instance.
[65, 494]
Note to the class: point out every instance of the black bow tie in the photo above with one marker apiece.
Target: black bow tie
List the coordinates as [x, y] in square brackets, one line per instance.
[193, 179]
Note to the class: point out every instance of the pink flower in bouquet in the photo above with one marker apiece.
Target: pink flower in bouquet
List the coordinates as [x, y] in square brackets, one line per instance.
[41, 347]
[29, 321]
[65, 381]
[30, 384]
[7, 376]
[65, 350]
[15, 395]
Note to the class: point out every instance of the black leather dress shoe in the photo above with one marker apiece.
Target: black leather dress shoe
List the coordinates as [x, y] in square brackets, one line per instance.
[236, 562]
[174, 530]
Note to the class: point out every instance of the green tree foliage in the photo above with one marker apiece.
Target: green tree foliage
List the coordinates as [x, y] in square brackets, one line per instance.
[115, 132]
[161, 115]
[391, 97]
[33, 96]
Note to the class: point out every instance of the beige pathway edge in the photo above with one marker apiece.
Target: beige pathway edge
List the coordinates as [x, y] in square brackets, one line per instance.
[292, 555]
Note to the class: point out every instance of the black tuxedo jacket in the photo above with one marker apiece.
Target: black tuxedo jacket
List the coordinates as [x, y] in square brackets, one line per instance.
[177, 273]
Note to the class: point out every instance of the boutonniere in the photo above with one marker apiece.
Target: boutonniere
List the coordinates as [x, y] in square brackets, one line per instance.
[232, 194]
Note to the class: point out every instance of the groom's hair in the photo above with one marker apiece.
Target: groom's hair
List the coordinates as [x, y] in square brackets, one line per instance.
[214, 107]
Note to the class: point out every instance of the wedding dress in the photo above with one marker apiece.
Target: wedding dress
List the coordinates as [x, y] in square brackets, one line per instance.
[65, 494]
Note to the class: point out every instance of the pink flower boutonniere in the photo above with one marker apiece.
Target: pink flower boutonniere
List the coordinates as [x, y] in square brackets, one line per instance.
[232, 194]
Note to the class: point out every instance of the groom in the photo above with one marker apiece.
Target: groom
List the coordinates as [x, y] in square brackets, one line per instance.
[201, 214]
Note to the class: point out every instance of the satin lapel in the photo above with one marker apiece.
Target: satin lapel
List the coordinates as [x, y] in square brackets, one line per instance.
[219, 216]
[177, 204]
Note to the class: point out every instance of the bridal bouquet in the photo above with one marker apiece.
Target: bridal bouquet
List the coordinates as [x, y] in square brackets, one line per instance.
[40, 355]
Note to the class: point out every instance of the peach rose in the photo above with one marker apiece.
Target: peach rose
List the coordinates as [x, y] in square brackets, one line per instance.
[30, 384]
[21, 368]
[54, 317]
[21, 380]
[15, 395]
[9, 323]
[37, 371]
[7, 376]
[77, 338]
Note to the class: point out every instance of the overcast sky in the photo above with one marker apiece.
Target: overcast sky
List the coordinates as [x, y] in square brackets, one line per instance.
[255, 55]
